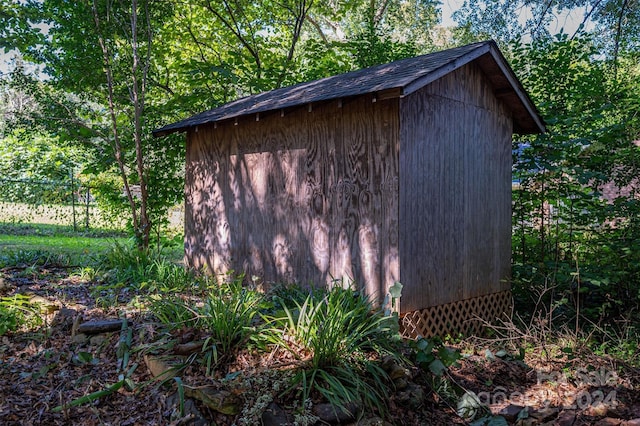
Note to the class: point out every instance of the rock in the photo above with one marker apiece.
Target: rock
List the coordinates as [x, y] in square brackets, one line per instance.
[192, 415]
[510, 412]
[566, 418]
[188, 348]
[632, 422]
[387, 363]
[219, 400]
[544, 414]
[274, 415]
[159, 367]
[608, 421]
[46, 306]
[401, 383]
[79, 339]
[398, 372]
[596, 410]
[413, 396]
[100, 326]
[334, 415]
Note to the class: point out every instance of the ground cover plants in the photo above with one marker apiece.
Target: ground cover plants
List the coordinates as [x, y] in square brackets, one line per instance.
[219, 352]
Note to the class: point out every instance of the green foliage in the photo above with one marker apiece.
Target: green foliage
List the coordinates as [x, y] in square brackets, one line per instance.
[334, 333]
[614, 23]
[9, 316]
[125, 271]
[167, 277]
[126, 263]
[372, 48]
[107, 86]
[96, 95]
[566, 236]
[433, 355]
[228, 316]
[31, 258]
[16, 311]
[25, 159]
[174, 312]
[41, 245]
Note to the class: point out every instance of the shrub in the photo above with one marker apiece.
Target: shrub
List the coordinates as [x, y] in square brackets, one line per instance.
[337, 336]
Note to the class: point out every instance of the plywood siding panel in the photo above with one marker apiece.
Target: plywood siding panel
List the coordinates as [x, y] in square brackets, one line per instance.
[487, 213]
[455, 197]
[431, 202]
[308, 197]
[385, 169]
[206, 202]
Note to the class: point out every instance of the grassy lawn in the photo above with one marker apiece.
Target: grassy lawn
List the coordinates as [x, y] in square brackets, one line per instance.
[55, 239]
[74, 247]
[62, 240]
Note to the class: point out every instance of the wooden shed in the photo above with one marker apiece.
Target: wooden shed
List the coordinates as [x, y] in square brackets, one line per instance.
[398, 172]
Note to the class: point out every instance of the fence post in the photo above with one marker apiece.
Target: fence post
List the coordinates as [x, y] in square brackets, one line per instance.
[86, 223]
[73, 202]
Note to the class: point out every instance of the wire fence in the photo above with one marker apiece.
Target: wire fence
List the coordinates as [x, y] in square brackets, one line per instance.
[64, 203]
[56, 202]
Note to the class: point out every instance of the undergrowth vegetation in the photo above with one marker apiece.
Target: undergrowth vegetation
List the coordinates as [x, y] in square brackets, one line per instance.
[575, 234]
[315, 344]
[334, 338]
[334, 333]
[17, 311]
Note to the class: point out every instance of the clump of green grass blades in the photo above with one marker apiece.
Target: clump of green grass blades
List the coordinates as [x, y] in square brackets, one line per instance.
[143, 269]
[228, 315]
[337, 334]
[31, 258]
[16, 311]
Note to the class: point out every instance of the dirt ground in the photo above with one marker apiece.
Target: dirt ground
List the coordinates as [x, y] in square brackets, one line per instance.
[53, 365]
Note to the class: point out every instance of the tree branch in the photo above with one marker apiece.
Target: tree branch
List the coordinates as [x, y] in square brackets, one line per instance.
[234, 27]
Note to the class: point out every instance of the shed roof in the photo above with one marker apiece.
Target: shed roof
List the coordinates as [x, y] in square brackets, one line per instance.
[398, 78]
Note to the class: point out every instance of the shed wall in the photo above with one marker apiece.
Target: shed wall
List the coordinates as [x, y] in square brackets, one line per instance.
[306, 197]
[455, 191]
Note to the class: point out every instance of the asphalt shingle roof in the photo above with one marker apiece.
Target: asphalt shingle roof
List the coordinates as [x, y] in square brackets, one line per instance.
[406, 75]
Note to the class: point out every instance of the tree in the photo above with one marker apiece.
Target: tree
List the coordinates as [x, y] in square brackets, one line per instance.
[115, 69]
[566, 234]
[616, 23]
[99, 59]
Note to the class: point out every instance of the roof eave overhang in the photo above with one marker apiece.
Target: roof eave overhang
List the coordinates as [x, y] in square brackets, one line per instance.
[532, 122]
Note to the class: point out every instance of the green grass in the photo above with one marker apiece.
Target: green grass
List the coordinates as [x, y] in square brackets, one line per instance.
[57, 230]
[76, 248]
[25, 241]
